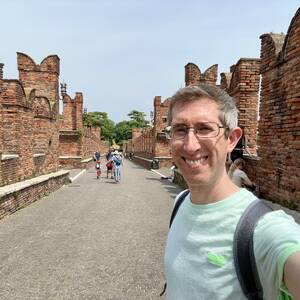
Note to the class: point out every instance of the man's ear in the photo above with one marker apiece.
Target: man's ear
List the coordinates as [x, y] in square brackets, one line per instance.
[233, 138]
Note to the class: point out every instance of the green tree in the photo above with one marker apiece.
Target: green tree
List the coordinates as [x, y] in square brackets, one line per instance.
[100, 119]
[123, 131]
[138, 119]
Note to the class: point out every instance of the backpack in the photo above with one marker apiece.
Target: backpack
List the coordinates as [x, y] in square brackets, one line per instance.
[243, 251]
[117, 161]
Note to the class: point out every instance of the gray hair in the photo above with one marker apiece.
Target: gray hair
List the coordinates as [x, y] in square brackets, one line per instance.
[228, 109]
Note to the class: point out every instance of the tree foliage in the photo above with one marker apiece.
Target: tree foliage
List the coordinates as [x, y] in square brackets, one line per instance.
[138, 119]
[123, 131]
[119, 132]
[100, 119]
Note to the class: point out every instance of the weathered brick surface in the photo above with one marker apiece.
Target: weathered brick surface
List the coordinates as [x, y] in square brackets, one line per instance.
[242, 83]
[72, 110]
[43, 78]
[161, 145]
[279, 126]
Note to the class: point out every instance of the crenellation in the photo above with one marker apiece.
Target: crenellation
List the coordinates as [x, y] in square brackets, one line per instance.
[193, 75]
[29, 127]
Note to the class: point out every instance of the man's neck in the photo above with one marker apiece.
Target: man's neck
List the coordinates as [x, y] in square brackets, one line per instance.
[213, 193]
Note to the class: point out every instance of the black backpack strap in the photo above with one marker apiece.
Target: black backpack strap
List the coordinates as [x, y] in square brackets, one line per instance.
[177, 205]
[174, 212]
[243, 250]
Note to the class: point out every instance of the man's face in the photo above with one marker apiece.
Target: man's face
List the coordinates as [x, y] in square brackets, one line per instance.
[201, 160]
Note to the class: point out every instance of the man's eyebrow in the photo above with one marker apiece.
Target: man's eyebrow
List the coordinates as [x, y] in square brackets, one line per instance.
[179, 124]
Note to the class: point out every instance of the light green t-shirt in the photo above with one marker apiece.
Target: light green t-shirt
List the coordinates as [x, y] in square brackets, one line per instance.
[199, 252]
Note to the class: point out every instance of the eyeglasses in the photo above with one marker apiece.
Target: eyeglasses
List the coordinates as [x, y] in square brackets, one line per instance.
[201, 130]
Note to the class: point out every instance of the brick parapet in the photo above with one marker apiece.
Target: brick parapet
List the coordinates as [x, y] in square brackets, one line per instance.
[271, 47]
[17, 196]
[279, 124]
[43, 78]
[31, 131]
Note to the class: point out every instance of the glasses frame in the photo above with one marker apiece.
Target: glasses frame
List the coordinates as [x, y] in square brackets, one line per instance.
[168, 132]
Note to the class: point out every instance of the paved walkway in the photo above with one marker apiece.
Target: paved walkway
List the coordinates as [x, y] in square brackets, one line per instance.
[92, 239]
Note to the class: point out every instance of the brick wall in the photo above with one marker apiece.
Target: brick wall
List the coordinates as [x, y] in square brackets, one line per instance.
[76, 142]
[242, 83]
[193, 75]
[17, 133]
[43, 79]
[28, 123]
[279, 126]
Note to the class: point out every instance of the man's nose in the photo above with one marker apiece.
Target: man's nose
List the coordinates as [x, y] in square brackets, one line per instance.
[191, 143]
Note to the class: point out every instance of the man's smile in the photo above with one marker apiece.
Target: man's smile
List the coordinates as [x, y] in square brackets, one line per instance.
[196, 162]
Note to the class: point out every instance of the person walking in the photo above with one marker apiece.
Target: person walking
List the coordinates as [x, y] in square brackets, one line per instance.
[117, 161]
[199, 261]
[109, 164]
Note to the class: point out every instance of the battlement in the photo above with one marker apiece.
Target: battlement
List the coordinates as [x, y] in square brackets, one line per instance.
[193, 75]
[49, 64]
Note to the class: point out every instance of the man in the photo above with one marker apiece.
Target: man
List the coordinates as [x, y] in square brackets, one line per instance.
[198, 257]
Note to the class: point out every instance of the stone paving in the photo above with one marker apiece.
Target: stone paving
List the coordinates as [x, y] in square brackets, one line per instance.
[92, 239]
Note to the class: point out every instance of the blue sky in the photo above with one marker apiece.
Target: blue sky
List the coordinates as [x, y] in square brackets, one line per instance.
[122, 53]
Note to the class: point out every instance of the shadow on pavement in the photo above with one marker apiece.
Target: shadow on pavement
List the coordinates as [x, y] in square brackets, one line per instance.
[169, 186]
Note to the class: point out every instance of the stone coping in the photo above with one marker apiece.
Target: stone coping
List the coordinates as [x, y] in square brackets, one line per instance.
[151, 159]
[8, 189]
[142, 158]
[87, 160]
[70, 157]
[39, 154]
[9, 156]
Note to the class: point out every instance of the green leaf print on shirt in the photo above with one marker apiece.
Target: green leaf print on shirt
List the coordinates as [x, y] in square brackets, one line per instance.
[217, 260]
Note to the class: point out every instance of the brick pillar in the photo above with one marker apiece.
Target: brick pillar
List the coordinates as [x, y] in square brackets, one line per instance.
[244, 87]
[79, 110]
[1, 125]
[1, 74]
[160, 144]
[69, 111]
